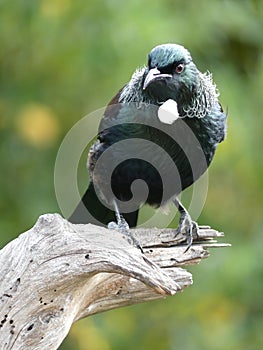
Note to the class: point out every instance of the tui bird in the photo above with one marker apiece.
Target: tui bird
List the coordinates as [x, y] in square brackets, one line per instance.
[135, 146]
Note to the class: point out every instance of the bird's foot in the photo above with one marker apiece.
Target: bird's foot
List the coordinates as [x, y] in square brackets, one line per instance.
[122, 226]
[187, 228]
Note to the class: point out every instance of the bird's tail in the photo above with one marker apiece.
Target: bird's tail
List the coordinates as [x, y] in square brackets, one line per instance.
[91, 211]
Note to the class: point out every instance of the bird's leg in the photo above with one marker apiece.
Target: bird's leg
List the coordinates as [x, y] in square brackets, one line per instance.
[123, 227]
[186, 226]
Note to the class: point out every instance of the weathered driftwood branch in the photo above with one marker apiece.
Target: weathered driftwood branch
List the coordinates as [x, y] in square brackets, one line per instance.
[57, 273]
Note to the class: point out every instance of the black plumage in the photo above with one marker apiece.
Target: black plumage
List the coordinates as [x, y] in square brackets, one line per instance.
[132, 137]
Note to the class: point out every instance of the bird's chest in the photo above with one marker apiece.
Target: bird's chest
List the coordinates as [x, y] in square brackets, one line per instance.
[165, 159]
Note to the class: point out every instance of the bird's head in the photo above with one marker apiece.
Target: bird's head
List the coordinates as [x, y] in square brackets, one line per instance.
[171, 73]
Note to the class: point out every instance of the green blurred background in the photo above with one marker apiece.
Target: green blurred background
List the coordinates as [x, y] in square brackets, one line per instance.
[61, 59]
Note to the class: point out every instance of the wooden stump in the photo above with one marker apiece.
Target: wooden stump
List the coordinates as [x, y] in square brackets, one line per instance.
[57, 273]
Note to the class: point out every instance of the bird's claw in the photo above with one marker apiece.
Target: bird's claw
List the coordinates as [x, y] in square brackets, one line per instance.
[188, 228]
[122, 226]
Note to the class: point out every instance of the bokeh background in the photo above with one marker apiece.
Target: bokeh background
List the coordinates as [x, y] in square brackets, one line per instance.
[61, 59]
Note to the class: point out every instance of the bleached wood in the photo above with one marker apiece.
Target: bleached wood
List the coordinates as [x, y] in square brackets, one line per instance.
[57, 273]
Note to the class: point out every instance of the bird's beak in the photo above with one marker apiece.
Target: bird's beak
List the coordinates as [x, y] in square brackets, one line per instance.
[154, 74]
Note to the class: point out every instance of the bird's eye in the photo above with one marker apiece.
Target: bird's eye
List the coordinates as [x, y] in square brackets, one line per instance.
[179, 68]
